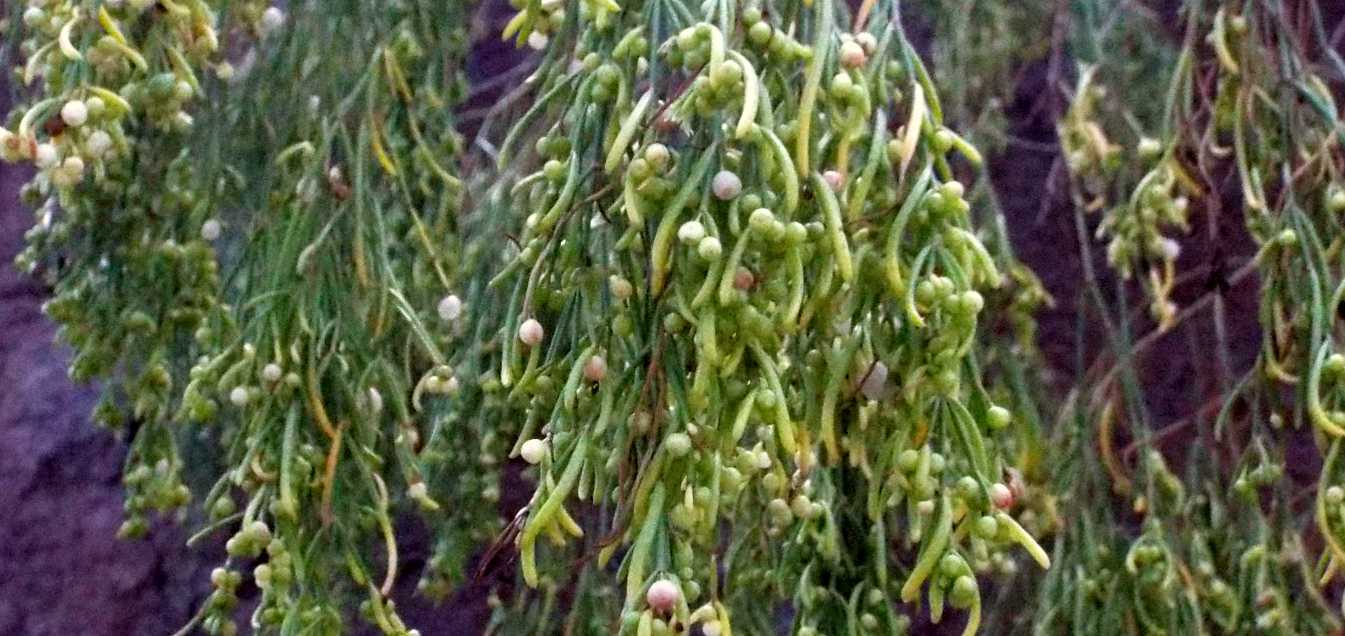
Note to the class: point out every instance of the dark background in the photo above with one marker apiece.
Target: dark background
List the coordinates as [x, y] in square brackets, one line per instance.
[62, 570]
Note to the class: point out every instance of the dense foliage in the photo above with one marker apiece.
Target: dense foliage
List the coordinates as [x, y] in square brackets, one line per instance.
[728, 279]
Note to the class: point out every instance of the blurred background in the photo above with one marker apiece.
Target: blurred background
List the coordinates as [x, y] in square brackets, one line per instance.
[63, 571]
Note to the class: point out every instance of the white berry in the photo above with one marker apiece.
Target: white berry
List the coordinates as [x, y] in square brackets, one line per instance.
[450, 308]
[272, 19]
[709, 248]
[210, 230]
[530, 332]
[75, 113]
[375, 401]
[533, 451]
[45, 156]
[726, 185]
[691, 232]
[239, 396]
[98, 143]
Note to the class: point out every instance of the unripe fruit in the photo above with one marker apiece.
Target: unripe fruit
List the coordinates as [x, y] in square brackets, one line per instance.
[678, 444]
[657, 155]
[709, 248]
[998, 417]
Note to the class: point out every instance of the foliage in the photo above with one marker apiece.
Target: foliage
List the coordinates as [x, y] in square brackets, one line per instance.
[723, 278]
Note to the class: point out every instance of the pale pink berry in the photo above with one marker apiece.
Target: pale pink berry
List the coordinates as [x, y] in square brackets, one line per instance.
[875, 382]
[852, 55]
[595, 369]
[743, 279]
[726, 185]
[835, 180]
[663, 596]
[1001, 496]
[530, 332]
